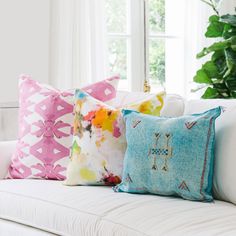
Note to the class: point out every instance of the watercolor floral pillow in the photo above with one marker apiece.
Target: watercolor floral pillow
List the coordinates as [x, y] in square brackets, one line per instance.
[99, 142]
[98, 145]
[150, 106]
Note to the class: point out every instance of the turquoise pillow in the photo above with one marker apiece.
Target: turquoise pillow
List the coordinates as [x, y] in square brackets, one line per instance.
[169, 156]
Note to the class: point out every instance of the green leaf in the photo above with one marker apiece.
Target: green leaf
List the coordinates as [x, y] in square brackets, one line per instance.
[216, 28]
[202, 78]
[210, 93]
[231, 84]
[230, 57]
[218, 58]
[215, 47]
[233, 94]
[220, 87]
[214, 18]
[211, 69]
[229, 31]
[217, 55]
[229, 19]
[233, 43]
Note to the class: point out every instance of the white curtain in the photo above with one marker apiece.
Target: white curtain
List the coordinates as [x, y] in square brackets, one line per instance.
[196, 20]
[78, 44]
[187, 20]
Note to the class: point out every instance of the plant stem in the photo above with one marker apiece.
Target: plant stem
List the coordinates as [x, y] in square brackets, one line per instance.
[205, 1]
[214, 6]
[211, 4]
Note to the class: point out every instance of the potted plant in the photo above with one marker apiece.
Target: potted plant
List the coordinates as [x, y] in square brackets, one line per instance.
[218, 74]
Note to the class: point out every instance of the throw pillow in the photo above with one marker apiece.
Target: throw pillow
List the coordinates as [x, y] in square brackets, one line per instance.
[170, 156]
[45, 128]
[98, 145]
[151, 105]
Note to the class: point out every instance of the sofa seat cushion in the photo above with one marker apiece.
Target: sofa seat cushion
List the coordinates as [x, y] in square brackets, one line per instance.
[9, 228]
[86, 210]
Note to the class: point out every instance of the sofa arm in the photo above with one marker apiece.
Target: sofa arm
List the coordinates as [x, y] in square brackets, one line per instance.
[6, 150]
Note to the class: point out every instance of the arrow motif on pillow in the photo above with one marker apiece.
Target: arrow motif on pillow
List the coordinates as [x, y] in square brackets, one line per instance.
[189, 125]
[136, 123]
[128, 179]
[183, 186]
[163, 151]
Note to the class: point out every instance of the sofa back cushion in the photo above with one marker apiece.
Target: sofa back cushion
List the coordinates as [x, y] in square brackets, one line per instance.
[224, 180]
[202, 105]
[8, 121]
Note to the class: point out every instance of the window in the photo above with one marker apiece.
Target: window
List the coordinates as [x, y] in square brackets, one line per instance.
[145, 39]
[118, 38]
[156, 37]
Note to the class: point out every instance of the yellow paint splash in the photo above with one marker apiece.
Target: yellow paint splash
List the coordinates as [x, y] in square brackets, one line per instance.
[87, 174]
[105, 119]
[150, 107]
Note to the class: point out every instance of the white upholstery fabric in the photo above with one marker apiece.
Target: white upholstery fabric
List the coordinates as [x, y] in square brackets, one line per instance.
[225, 174]
[8, 121]
[198, 106]
[173, 106]
[6, 150]
[225, 149]
[9, 228]
[88, 211]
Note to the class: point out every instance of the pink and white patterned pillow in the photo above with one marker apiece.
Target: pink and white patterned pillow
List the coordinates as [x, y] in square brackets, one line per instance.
[45, 128]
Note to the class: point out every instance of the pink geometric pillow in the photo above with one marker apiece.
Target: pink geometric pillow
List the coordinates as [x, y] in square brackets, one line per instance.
[45, 128]
[104, 90]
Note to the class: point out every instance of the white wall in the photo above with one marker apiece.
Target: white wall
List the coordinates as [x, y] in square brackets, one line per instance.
[24, 43]
[227, 7]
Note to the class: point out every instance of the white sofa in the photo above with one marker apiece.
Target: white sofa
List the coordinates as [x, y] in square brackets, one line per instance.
[42, 207]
